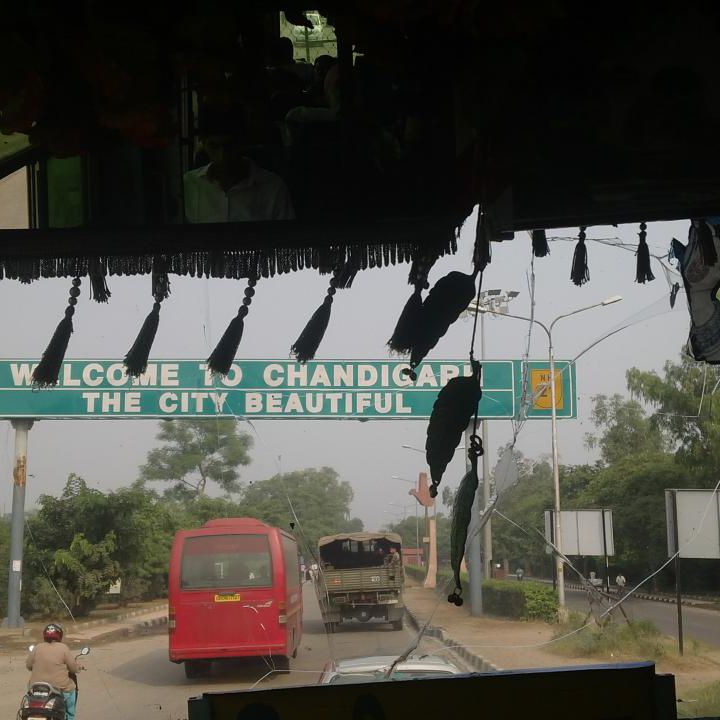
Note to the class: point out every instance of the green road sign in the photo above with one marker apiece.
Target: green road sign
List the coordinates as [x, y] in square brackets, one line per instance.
[278, 389]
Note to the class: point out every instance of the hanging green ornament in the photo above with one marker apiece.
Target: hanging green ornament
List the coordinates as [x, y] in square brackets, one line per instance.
[455, 406]
[462, 515]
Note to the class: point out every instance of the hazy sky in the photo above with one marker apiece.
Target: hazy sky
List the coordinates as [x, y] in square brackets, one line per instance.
[107, 453]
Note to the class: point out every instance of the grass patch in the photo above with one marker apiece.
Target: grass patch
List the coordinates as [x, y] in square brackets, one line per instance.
[640, 639]
[702, 702]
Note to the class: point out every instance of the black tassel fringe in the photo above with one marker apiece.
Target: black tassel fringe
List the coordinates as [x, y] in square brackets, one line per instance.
[674, 290]
[643, 271]
[305, 347]
[221, 359]
[47, 373]
[540, 244]
[99, 291]
[579, 272]
[136, 360]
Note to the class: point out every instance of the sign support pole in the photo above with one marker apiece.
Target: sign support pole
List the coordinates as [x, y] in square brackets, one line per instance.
[17, 528]
[605, 553]
[678, 589]
[474, 558]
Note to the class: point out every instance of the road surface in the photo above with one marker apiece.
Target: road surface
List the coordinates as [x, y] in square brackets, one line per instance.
[132, 679]
[698, 623]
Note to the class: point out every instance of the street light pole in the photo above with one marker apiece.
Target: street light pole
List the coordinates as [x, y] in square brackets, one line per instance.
[487, 530]
[559, 563]
[417, 503]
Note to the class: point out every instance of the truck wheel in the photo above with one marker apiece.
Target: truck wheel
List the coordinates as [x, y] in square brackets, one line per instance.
[397, 624]
[196, 668]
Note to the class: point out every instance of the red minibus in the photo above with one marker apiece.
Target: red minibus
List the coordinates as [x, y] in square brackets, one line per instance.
[234, 591]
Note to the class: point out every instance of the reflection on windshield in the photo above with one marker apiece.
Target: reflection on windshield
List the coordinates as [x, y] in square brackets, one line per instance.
[91, 550]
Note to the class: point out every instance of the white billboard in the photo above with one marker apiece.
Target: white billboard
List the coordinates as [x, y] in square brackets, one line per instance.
[693, 523]
[584, 532]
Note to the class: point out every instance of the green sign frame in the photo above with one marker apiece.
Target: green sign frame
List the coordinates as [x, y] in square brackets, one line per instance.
[273, 389]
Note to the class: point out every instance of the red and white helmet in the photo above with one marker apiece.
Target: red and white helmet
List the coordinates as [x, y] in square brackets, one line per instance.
[53, 633]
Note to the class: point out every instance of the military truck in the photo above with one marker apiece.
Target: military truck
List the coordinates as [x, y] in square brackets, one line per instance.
[361, 578]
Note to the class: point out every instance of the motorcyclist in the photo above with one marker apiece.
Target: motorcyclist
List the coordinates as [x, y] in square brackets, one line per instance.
[52, 662]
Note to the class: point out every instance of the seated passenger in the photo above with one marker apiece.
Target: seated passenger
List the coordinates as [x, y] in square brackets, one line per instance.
[231, 187]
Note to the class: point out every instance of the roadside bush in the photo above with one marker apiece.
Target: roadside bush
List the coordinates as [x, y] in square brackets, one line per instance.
[521, 600]
[639, 639]
[444, 578]
[415, 572]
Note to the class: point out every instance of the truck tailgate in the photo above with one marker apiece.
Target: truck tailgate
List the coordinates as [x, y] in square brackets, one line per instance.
[363, 579]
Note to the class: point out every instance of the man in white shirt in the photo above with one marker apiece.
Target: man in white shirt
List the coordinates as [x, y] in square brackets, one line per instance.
[231, 187]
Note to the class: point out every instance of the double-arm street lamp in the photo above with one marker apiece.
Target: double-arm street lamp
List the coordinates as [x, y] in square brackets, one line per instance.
[559, 566]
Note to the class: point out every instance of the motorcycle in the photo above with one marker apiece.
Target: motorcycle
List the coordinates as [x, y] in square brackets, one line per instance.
[42, 701]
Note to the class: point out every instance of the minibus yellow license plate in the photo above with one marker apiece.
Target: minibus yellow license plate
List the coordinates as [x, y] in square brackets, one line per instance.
[231, 597]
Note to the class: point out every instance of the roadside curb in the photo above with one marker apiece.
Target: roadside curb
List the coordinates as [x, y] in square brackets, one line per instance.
[706, 603]
[92, 630]
[78, 627]
[690, 602]
[143, 627]
[478, 663]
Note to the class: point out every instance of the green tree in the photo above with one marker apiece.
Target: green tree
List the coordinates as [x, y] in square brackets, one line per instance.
[623, 429]
[682, 401]
[525, 503]
[70, 547]
[195, 451]
[84, 540]
[634, 489]
[353, 525]
[316, 497]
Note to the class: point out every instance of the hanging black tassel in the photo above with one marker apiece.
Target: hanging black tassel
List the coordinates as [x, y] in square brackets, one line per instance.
[674, 290]
[408, 325]
[449, 297]
[136, 360]
[461, 517]
[706, 241]
[47, 372]
[540, 244]
[225, 351]
[305, 347]
[456, 403]
[99, 291]
[643, 271]
[483, 254]
[579, 273]
[160, 279]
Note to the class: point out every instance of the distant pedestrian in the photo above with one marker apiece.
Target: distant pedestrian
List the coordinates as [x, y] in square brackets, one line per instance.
[620, 582]
[519, 573]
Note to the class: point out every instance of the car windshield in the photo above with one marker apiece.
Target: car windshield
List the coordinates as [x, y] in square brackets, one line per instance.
[264, 458]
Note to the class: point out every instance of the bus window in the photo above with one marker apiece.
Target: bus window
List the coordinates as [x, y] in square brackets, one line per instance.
[226, 561]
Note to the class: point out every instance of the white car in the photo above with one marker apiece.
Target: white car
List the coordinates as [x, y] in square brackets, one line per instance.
[374, 668]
